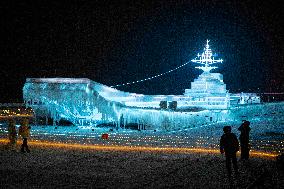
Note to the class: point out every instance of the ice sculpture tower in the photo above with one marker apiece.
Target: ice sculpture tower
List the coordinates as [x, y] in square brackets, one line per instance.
[209, 86]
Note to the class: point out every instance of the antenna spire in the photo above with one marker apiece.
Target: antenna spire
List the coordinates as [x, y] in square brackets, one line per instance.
[206, 59]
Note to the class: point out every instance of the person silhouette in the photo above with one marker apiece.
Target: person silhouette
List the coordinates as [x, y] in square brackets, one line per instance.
[24, 132]
[229, 145]
[12, 133]
[244, 140]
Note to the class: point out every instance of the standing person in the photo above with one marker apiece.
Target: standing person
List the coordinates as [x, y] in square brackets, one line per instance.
[12, 133]
[230, 145]
[24, 131]
[244, 139]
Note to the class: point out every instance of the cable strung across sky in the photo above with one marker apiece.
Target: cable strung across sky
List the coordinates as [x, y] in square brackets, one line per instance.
[153, 77]
[205, 59]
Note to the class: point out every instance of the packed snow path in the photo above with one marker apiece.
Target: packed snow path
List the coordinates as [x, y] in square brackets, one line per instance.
[266, 136]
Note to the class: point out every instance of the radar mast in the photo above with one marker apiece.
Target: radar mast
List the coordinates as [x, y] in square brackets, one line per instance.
[206, 59]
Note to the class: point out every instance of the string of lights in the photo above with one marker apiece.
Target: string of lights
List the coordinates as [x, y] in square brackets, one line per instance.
[204, 59]
[150, 78]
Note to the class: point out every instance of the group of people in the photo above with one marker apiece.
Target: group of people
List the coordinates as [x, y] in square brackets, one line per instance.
[24, 132]
[229, 145]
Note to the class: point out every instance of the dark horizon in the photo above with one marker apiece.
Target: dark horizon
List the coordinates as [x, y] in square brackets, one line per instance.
[113, 42]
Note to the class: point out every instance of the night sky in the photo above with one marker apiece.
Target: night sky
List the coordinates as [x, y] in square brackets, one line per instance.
[113, 42]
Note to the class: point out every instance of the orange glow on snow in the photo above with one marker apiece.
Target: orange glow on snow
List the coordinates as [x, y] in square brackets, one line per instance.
[136, 148]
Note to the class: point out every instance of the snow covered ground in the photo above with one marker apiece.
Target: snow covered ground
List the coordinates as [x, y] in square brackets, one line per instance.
[60, 167]
[51, 167]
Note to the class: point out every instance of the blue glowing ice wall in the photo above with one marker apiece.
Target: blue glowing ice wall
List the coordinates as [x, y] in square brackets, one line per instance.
[85, 102]
[76, 100]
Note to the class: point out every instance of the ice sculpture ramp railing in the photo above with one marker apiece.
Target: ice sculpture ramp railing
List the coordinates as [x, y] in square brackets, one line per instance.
[76, 100]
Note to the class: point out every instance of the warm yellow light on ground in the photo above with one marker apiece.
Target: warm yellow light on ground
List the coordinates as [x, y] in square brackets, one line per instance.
[137, 148]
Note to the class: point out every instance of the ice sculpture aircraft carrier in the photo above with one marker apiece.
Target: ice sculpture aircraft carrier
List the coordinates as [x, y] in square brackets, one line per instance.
[86, 102]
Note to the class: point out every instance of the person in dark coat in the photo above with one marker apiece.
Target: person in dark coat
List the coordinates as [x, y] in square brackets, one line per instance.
[244, 140]
[24, 132]
[230, 145]
[12, 133]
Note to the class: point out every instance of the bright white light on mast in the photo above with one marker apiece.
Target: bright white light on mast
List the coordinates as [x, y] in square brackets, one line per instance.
[206, 59]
